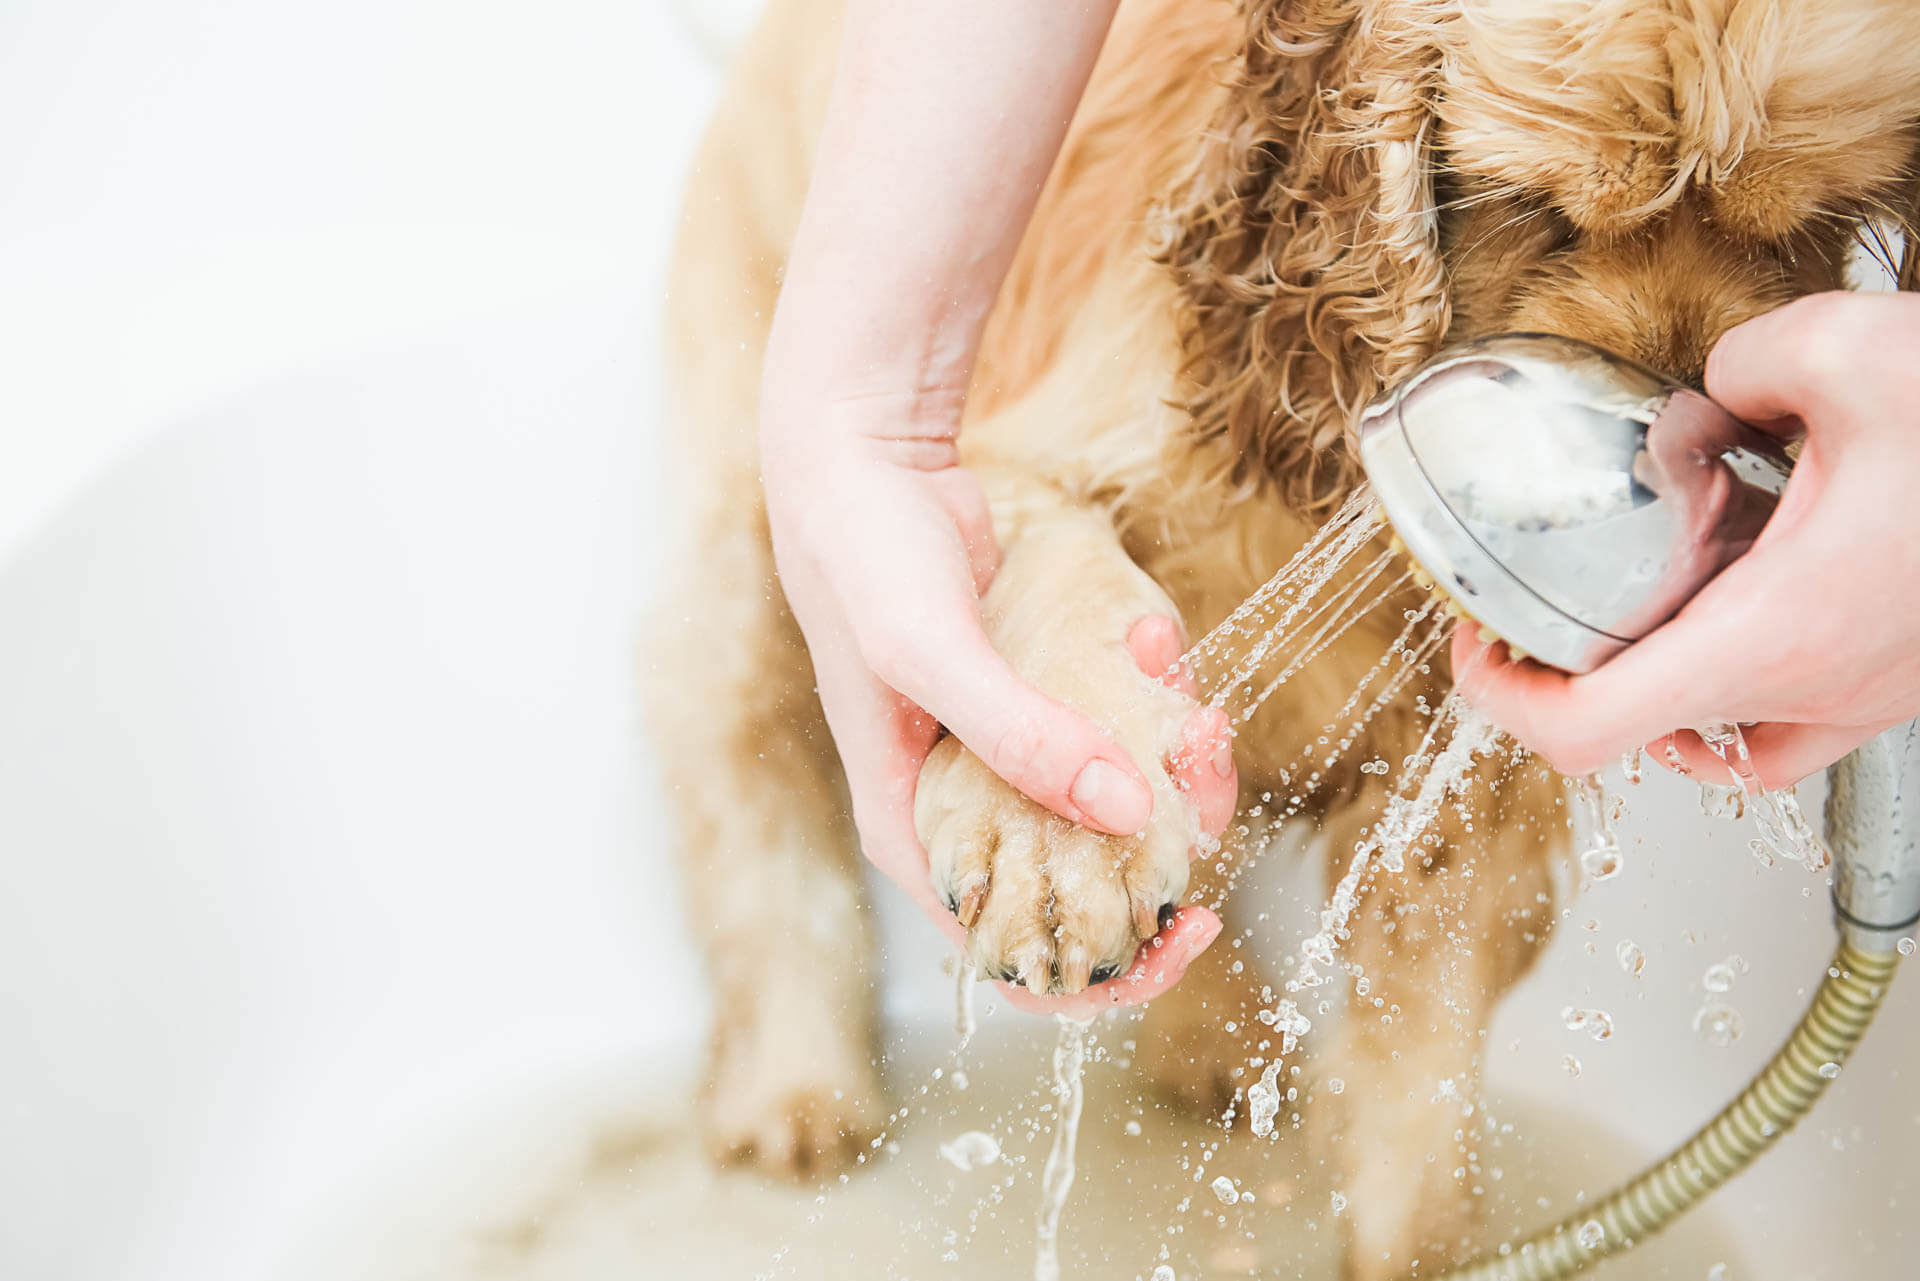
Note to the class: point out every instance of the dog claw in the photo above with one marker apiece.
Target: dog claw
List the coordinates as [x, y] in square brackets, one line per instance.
[971, 900]
[1035, 972]
[1146, 912]
[1076, 969]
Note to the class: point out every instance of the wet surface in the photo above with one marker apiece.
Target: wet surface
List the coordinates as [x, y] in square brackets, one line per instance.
[618, 1187]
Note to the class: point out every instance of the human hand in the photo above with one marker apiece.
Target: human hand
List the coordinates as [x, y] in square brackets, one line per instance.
[884, 543]
[1811, 641]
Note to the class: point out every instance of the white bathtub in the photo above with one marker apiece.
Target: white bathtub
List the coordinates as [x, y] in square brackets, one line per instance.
[332, 874]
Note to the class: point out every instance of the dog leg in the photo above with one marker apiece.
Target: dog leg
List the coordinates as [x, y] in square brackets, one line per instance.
[1196, 1040]
[1047, 903]
[1436, 945]
[768, 853]
[769, 862]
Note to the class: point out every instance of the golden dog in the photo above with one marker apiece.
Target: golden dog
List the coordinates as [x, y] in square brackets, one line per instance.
[1262, 215]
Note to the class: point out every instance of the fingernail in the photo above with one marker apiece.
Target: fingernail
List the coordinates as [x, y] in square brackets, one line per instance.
[1111, 799]
[1223, 760]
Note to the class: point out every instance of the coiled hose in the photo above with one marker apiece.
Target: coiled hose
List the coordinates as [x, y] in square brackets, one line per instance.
[1783, 1092]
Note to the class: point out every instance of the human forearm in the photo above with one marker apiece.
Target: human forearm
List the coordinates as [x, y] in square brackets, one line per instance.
[941, 127]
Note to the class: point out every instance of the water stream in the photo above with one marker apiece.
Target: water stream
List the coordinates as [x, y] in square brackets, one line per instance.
[1056, 1180]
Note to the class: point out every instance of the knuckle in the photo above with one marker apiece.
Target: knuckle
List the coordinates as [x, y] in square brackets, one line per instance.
[892, 653]
[1016, 752]
[1826, 338]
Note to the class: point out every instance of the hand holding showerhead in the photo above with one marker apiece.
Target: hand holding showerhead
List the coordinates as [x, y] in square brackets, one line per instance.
[1574, 503]
[1812, 639]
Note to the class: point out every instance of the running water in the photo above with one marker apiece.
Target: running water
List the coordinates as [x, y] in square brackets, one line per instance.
[1438, 771]
[1405, 658]
[1784, 829]
[967, 975]
[1069, 1059]
[1601, 859]
[1285, 607]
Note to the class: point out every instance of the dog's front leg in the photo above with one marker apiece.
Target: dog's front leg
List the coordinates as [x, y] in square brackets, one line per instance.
[1047, 903]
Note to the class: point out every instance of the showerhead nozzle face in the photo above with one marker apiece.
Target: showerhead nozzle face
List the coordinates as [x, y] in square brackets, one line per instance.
[1566, 498]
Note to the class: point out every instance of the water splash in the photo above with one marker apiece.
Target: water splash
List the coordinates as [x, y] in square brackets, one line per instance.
[1632, 959]
[1632, 765]
[1783, 825]
[1284, 607]
[1437, 771]
[1424, 631]
[1718, 1024]
[1601, 859]
[1720, 975]
[1597, 1024]
[967, 974]
[1069, 1061]
[971, 1150]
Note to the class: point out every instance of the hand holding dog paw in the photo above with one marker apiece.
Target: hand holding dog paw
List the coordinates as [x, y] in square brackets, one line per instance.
[1082, 920]
[884, 545]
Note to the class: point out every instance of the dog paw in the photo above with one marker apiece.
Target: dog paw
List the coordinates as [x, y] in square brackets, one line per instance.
[1054, 906]
[787, 1093]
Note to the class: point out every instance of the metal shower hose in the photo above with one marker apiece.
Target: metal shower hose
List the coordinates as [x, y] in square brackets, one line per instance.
[1783, 1092]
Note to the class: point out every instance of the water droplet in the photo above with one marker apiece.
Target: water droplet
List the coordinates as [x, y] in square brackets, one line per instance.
[958, 1080]
[1164, 1273]
[1132, 1129]
[1591, 1235]
[1718, 1023]
[1631, 958]
[1572, 1065]
[974, 1148]
[1336, 1086]
[1906, 947]
[1339, 1203]
[1718, 1272]
[1630, 766]
[1602, 862]
[1225, 1192]
[1722, 802]
[1829, 1070]
[1597, 1024]
[1719, 977]
[1263, 1101]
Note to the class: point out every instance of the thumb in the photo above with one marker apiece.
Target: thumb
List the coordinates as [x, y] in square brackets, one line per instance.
[1041, 746]
[1794, 367]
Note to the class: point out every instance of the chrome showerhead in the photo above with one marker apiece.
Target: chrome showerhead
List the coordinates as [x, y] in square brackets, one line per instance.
[1565, 498]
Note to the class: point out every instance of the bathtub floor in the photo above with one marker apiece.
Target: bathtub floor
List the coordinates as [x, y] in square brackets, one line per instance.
[617, 1187]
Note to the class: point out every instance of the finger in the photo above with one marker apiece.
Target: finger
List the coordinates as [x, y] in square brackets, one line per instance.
[883, 741]
[1156, 645]
[1159, 963]
[1041, 746]
[1780, 754]
[1202, 767]
[1692, 670]
[1531, 702]
[1746, 375]
[1799, 363]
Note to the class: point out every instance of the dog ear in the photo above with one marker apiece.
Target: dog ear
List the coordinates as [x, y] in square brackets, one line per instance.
[1305, 241]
